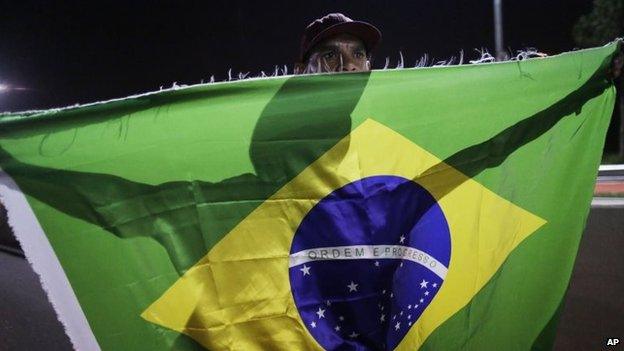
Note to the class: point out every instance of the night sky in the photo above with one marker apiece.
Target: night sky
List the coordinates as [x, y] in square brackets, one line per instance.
[78, 52]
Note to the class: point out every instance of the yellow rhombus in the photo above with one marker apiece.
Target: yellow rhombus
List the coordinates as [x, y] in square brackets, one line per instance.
[238, 296]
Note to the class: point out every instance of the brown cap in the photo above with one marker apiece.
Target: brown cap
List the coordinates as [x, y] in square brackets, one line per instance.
[334, 24]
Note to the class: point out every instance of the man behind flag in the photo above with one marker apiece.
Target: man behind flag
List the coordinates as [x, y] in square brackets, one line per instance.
[336, 43]
[407, 209]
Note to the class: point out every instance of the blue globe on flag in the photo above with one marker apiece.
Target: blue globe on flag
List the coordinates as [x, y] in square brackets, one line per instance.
[366, 262]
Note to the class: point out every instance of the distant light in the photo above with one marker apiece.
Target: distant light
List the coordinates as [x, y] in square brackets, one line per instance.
[4, 88]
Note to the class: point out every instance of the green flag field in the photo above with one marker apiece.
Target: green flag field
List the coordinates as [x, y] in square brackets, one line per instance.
[432, 208]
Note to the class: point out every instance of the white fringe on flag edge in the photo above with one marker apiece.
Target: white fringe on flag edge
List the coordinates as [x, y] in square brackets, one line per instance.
[282, 71]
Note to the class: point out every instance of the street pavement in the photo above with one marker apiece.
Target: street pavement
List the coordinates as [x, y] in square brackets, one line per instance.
[594, 305]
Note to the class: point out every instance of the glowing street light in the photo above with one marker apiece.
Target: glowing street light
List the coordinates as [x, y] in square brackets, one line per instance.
[6, 87]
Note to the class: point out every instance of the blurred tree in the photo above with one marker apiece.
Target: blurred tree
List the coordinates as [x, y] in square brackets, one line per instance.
[604, 23]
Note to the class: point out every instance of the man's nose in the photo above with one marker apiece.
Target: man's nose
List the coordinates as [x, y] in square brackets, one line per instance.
[347, 64]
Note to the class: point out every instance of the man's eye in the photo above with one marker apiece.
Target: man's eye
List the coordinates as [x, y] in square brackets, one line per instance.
[359, 54]
[328, 55]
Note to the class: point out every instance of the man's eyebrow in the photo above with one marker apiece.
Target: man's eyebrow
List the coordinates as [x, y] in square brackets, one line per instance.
[359, 46]
[333, 46]
[328, 46]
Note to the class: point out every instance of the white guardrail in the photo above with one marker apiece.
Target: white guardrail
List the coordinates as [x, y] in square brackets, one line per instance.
[609, 173]
[607, 168]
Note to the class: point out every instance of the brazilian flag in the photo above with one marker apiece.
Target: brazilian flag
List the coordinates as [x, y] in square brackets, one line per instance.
[432, 209]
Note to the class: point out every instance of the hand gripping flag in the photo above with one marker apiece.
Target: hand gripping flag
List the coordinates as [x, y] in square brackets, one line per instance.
[430, 209]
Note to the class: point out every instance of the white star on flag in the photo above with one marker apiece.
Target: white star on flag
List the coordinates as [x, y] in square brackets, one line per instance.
[402, 239]
[354, 335]
[352, 287]
[305, 269]
[376, 263]
[313, 324]
[341, 318]
[421, 300]
[409, 316]
[397, 326]
[423, 284]
[426, 293]
[328, 303]
[337, 328]
[321, 313]
[409, 307]
[382, 318]
[435, 285]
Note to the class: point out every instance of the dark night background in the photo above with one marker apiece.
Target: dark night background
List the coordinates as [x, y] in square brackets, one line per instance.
[72, 52]
[77, 52]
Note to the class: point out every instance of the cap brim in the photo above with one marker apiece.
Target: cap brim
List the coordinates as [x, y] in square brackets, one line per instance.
[368, 33]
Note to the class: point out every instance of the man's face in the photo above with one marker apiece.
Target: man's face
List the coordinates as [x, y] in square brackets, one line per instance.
[340, 53]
